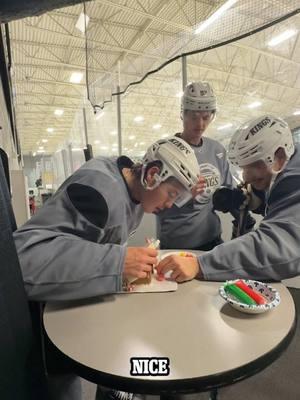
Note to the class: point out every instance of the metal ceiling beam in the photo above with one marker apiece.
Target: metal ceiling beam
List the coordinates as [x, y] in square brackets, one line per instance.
[109, 48]
[147, 15]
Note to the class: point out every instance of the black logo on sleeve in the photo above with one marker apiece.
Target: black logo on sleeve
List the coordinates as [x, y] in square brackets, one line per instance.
[145, 366]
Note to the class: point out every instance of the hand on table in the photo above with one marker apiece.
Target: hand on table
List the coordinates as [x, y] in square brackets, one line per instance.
[184, 268]
[139, 261]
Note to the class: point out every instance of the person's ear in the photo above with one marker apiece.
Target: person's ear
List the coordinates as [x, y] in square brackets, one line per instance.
[279, 159]
[151, 176]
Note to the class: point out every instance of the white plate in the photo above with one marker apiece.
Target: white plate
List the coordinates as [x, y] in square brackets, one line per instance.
[270, 294]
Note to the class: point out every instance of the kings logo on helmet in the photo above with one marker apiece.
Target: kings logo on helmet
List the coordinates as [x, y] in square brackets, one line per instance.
[180, 146]
[258, 127]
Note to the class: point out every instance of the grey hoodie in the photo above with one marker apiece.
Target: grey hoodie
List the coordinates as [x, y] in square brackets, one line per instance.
[74, 247]
[272, 251]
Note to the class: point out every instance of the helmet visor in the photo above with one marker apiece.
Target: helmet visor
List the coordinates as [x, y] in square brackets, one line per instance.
[184, 196]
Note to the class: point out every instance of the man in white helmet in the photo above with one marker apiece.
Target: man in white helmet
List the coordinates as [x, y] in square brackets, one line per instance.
[263, 148]
[74, 247]
[196, 225]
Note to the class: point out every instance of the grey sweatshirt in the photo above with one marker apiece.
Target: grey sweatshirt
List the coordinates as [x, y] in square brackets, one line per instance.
[196, 223]
[271, 252]
[74, 247]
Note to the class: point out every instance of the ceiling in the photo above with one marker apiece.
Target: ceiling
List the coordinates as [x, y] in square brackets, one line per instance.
[126, 38]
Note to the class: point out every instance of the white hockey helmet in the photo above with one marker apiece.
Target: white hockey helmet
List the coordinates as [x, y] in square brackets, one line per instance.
[259, 139]
[178, 160]
[198, 96]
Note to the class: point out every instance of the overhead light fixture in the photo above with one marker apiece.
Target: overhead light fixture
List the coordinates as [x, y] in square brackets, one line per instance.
[115, 145]
[114, 149]
[40, 151]
[139, 118]
[44, 140]
[76, 149]
[156, 126]
[296, 112]
[99, 115]
[215, 16]
[82, 22]
[165, 135]
[96, 141]
[226, 126]
[142, 143]
[255, 104]
[282, 37]
[76, 77]
[50, 130]
[131, 137]
[113, 133]
[179, 94]
[135, 144]
[41, 148]
[34, 154]
[104, 148]
[59, 112]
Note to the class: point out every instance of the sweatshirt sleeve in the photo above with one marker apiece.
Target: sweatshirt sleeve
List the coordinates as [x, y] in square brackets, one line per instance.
[271, 252]
[64, 252]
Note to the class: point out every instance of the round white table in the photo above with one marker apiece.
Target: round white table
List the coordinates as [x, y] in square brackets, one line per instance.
[209, 344]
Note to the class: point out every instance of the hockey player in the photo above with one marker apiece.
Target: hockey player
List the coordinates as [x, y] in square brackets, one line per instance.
[196, 226]
[263, 148]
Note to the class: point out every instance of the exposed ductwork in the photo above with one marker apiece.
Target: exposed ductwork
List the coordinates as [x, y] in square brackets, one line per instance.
[16, 9]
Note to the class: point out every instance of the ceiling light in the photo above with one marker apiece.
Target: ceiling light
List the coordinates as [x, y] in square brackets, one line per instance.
[156, 126]
[100, 115]
[40, 151]
[34, 154]
[41, 148]
[224, 127]
[255, 104]
[282, 37]
[165, 135]
[115, 145]
[114, 149]
[82, 22]
[76, 149]
[44, 140]
[131, 137]
[179, 94]
[215, 16]
[135, 144]
[113, 133]
[50, 130]
[142, 143]
[76, 77]
[59, 112]
[139, 118]
[296, 112]
[96, 141]
[104, 148]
